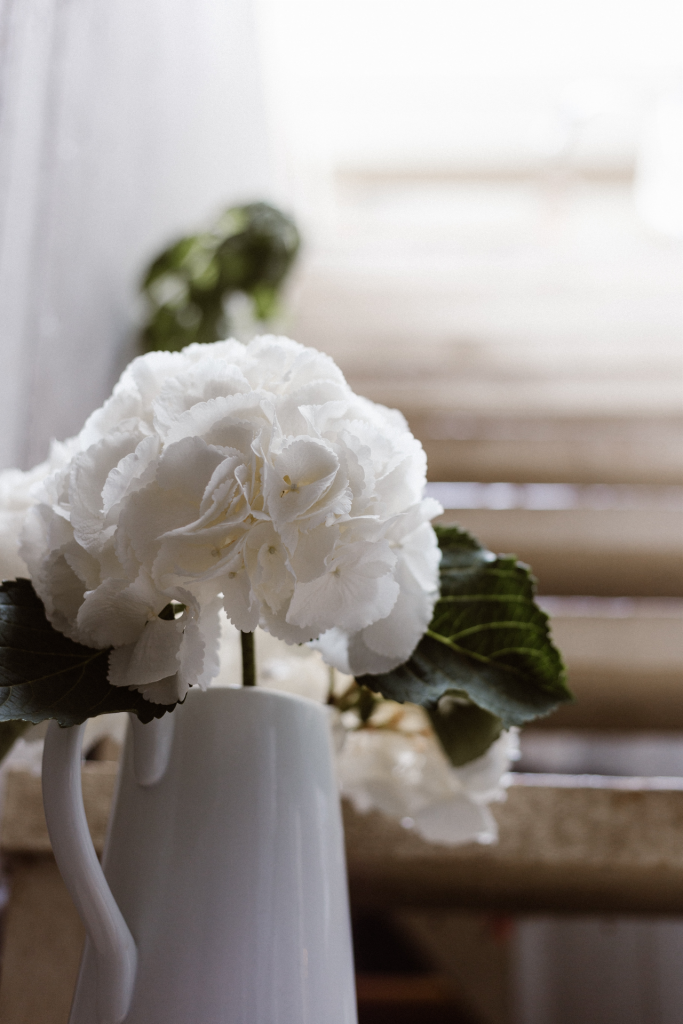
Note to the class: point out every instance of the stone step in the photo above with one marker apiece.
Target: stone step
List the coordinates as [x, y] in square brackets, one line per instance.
[625, 672]
[579, 843]
[608, 552]
[575, 449]
[567, 843]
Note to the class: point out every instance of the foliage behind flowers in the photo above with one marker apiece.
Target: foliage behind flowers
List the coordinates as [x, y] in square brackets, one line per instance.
[250, 250]
[245, 476]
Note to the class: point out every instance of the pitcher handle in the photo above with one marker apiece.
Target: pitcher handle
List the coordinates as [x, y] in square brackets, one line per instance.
[77, 861]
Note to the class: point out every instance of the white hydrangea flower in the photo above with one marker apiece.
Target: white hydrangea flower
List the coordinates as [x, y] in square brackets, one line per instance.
[18, 491]
[403, 772]
[250, 477]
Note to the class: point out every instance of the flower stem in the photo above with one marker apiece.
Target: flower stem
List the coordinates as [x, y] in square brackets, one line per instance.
[330, 685]
[248, 660]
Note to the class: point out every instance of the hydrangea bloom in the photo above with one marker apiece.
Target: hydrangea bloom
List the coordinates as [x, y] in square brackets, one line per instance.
[17, 494]
[405, 774]
[248, 476]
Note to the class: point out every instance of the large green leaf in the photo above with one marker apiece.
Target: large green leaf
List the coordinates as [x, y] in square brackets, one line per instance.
[488, 640]
[465, 730]
[45, 675]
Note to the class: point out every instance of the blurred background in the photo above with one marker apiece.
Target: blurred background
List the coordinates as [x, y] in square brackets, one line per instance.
[490, 206]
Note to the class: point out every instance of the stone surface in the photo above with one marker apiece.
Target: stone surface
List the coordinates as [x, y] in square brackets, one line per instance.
[566, 843]
[574, 847]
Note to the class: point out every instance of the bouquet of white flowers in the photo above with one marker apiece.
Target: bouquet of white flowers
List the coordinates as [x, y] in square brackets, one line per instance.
[252, 479]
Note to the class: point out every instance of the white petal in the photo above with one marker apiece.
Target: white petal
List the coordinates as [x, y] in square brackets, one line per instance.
[239, 601]
[131, 473]
[163, 691]
[89, 472]
[454, 821]
[199, 649]
[334, 647]
[301, 479]
[153, 657]
[110, 616]
[397, 635]
[362, 660]
[272, 581]
[62, 593]
[276, 624]
[347, 599]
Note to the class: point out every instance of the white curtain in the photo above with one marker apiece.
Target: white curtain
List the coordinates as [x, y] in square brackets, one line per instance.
[122, 124]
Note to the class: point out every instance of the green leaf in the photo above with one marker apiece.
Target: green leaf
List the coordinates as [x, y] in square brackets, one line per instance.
[45, 675]
[488, 640]
[249, 250]
[465, 730]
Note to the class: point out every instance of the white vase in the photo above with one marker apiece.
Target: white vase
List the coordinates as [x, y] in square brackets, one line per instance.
[225, 859]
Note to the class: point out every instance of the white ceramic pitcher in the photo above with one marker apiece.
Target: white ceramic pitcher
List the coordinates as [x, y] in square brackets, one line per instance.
[228, 901]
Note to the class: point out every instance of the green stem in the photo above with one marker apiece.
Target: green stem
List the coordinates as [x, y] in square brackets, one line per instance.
[330, 685]
[248, 660]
